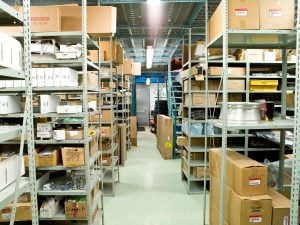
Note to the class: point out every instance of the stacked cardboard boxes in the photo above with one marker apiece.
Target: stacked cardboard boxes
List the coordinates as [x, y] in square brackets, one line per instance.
[165, 136]
[246, 200]
[133, 130]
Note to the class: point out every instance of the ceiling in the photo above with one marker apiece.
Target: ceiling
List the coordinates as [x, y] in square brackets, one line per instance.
[163, 26]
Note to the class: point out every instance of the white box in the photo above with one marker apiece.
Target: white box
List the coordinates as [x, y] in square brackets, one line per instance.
[23, 83]
[269, 56]
[69, 77]
[10, 52]
[9, 83]
[44, 134]
[8, 172]
[17, 83]
[48, 103]
[56, 77]
[66, 55]
[43, 127]
[49, 77]
[59, 135]
[40, 75]
[10, 104]
[2, 83]
[34, 77]
[69, 109]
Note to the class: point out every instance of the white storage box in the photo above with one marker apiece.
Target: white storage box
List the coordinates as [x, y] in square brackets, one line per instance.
[59, 135]
[44, 134]
[69, 109]
[43, 127]
[2, 83]
[269, 56]
[40, 75]
[48, 103]
[49, 80]
[10, 52]
[10, 104]
[34, 77]
[8, 172]
[9, 83]
[69, 77]
[17, 83]
[56, 77]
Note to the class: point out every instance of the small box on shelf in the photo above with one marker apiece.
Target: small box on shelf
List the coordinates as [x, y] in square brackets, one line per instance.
[73, 156]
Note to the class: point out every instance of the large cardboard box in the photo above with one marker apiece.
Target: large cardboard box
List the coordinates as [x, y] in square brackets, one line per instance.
[232, 71]
[193, 71]
[165, 136]
[23, 212]
[107, 115]
[137, 69]
[101, 20]
[236, 85]
[242, 14]
[92, 80]
[199, 172]
[245, 176]
[128, 66]
[249, 210]
[122, 144]
[73, 156]
[133, 127]
[277, 14]
[76, 209]
[198, 99]
[290, 99]
[51, 159]
[281, 208]
[117, 52]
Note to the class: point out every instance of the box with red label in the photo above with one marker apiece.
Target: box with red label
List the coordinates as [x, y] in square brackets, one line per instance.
[245, 176]
[277, 14]
[247, 210]
[242, 15]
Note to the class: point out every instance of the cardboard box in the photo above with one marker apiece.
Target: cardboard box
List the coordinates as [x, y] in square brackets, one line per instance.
[76, 134]
[198, 99]
[277, 14]
[120, 54]
[290, 99]
[127, 67]
[10, 104]
[8, 172]
[93, 56]
[76, 209]
[181, 141]
[245, 176]
[106, 131]
[92, 80]
[23, 212]
[263, 85]
[107, 116]
[248, 210]
[193, 71]
[280, 208]
[235, 97]
[133, 142]
[49, 103]
[106, 161]
[242, 15]
[45, 160]
[73, 156]
[198, 172]
[232, 71]
[133, 126]
[236, 85]
[93, 147]
[165, 136]
[101, 20]
[122, 143]
[137, 68]
[105, 47]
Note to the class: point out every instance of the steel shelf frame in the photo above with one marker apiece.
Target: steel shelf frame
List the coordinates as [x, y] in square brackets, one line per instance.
[254, 39]
[111, 94]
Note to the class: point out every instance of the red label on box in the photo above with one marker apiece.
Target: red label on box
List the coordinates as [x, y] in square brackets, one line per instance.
[241, 12]
[275, 12]
[40, 18]
[255, 219]
[254, 181]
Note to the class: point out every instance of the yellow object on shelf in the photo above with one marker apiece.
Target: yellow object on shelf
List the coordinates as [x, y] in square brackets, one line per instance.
[263, 85]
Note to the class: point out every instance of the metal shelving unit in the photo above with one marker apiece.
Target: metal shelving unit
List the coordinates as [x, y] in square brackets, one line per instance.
[111, 174]
[257, 39]
[10, 16]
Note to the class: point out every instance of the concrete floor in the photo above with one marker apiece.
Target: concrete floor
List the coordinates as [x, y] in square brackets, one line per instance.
[151, 192]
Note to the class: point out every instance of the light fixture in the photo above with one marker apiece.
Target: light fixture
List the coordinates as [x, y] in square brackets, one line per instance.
[149, 56]
[153, 2]
[148, 81]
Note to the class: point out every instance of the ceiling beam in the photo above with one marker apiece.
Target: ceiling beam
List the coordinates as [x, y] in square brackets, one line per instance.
[111, 2]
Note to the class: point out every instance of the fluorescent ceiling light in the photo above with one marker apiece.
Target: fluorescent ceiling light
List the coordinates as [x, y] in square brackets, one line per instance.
[149, 56]
[153, 2]
[148, 81]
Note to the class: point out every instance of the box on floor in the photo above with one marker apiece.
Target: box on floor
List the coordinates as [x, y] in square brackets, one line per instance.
[165, 136]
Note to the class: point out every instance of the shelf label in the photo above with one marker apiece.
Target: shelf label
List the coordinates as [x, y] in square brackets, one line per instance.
[255, 219]
[275, 12]
[241, 12]
[254, 181]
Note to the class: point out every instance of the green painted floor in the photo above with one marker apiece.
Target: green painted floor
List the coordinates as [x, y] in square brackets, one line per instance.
[151, 192]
